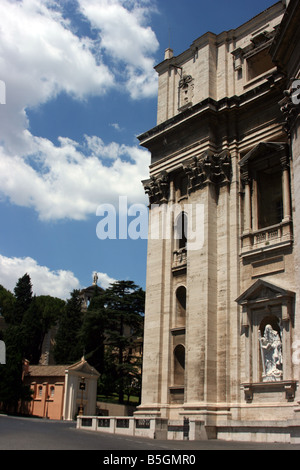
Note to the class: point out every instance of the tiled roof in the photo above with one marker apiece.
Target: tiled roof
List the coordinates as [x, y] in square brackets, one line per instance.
[46, 371]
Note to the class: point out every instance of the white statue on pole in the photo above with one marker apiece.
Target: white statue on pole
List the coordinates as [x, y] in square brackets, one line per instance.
[95, 279]
[271, 354]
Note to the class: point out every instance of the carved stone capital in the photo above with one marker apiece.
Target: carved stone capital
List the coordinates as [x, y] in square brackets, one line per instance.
[208, 168]
[290, 105]
[157, 188]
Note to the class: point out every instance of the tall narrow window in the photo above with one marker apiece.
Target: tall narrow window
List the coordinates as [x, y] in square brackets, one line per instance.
[180, 306]
[265, 173]
[179, 364]
[269, 198]
[181, 230]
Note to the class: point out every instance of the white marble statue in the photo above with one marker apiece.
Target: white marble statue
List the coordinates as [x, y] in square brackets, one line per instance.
[271, 353]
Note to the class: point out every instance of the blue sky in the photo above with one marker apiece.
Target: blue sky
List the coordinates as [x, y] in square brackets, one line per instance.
[80, 87]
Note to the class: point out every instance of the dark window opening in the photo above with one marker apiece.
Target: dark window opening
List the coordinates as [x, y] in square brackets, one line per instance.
[181, 230]
[179, 364]
[259, 64]
[269, 195]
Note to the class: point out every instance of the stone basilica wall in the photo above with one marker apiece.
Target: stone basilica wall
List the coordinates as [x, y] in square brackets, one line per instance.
[220, 147]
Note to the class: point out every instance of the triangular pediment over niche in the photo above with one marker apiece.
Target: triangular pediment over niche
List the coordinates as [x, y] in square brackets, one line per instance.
[263, 290]
[83, 367]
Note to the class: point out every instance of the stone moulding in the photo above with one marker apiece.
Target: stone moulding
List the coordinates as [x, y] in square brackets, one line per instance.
[287, 386]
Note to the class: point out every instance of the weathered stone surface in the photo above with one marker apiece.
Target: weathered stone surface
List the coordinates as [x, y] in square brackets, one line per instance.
[219, 105]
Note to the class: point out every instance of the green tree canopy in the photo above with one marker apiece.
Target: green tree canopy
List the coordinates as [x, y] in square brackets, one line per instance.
[69, 347]
[124, 304]
[42, 314]
[93, 330]
[23, 296]
[7, 304]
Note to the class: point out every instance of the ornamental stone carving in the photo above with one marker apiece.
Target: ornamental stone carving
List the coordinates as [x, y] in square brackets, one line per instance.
[157, 188]
[290, 105]
[271, 354]
[201, 170]
[208, 168]
[186, 92]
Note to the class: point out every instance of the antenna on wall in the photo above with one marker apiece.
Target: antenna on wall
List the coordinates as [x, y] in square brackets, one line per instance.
[169, 51]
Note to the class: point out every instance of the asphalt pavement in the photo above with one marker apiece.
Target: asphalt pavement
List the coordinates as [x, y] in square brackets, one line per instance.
[18, 433]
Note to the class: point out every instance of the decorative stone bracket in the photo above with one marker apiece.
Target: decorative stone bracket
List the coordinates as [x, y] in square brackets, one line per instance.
[287, 386]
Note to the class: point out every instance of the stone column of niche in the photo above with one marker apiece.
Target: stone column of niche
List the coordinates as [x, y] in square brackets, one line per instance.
[247, 203]
[286, 339]
[286, 189]
[247, 230]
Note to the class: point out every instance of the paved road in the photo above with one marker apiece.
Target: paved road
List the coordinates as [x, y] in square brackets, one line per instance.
[38, 434]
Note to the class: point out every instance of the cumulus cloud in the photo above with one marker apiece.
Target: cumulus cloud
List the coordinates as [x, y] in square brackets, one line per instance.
[41, 56]
[126, 38]
[104, 280]
[44, 281]
[71, 180]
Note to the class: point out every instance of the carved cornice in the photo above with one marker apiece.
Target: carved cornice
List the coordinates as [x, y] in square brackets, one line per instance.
[208, 168]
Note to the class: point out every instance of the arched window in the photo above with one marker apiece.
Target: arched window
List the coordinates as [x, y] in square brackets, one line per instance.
[180, 306]
[179, 364]
[181, 227]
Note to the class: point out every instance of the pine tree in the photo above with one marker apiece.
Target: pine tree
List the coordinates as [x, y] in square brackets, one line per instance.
[23, 296]
[7, 304]
[92, 333]
[124, 304]
[68, 347]
[42, 314]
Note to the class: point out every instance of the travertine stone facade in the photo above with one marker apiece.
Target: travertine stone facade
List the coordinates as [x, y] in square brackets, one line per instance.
[222, 317]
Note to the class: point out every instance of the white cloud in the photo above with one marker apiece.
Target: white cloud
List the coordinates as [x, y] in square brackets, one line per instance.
[104, 280]
[41, 56]
[116, 126]
[72, 180]
[44, 281]
[126, 38]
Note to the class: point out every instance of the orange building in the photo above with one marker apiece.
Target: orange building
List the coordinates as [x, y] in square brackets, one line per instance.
[60, 391]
